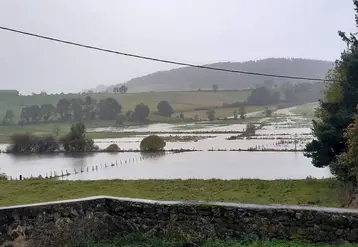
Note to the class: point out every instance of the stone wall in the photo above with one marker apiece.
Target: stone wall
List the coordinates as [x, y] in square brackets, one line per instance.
[91, 219]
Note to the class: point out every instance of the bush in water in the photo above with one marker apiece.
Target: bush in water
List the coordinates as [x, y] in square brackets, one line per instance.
[28, 143]
[113, 148]
[76, 140]
[250, 129]
[152, 143]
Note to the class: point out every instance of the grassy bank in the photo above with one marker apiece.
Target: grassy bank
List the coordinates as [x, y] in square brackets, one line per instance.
[310, 191]
[155, 242]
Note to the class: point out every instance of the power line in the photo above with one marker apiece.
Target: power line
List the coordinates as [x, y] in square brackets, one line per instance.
[163, 60]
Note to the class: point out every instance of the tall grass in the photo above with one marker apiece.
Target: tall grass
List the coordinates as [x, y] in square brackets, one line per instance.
[139, 241]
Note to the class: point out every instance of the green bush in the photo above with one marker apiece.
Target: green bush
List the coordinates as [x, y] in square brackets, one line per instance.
[250, 129]
[76, 140]
[152, 143]
[3, 176]
[121, 120]
[113, 148]
[29, 143]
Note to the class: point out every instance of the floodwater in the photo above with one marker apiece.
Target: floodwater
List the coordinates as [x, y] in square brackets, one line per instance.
[174, 127]
[200, 165]
[44, 165]
[189, 165]
[217, 143]
[269, 137]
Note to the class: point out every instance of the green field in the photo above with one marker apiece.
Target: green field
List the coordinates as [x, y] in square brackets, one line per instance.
[226, 112]
[48, 128]
[323, 192]
[306, 109]
[180, 101]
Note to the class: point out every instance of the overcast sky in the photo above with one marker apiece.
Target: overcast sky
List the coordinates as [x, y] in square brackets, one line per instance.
[200, 32]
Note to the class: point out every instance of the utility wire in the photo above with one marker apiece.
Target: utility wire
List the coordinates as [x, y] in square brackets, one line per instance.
[162, 60]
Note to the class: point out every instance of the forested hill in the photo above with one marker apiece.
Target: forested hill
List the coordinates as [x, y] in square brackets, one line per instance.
[187, 78]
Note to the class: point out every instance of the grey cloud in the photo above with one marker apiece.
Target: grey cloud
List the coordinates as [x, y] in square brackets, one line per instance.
[200, 31]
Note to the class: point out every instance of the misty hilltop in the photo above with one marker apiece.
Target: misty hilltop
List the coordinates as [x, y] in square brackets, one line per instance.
[188, 78]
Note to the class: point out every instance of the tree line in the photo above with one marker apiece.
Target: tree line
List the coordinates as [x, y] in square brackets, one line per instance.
[74, 141]
[335, 128]
[79, 109]
[268, 93]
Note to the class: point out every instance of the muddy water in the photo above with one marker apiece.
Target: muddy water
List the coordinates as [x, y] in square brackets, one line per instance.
[217, 142]
[201, 165]
[175, 127]
[35, 165]
[208, 165]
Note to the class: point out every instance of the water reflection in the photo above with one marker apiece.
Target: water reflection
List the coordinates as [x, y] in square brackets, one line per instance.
[200, 165]
[153, 156]
[219, 165]
[27, 165]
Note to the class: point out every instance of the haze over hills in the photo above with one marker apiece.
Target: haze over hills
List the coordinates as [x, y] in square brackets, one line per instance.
[187, 78]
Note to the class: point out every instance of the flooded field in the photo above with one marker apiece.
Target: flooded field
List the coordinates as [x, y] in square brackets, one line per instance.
[277, 142]
[201, 165]
[207, 127]
[283, 134]
[287, 132]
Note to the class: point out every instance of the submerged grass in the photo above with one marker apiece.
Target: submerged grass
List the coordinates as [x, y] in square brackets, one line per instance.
[322, 192]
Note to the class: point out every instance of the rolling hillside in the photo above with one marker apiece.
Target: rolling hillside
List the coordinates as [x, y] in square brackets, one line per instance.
[187, 78]
[181, 101]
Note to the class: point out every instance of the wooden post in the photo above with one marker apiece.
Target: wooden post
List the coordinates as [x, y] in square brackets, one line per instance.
[20, 177]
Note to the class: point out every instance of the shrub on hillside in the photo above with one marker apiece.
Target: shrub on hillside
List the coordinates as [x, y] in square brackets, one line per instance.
[165, 109]
[113, 148]
[152, 143]
[121, 120]
[211, 115]
[3, 176]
